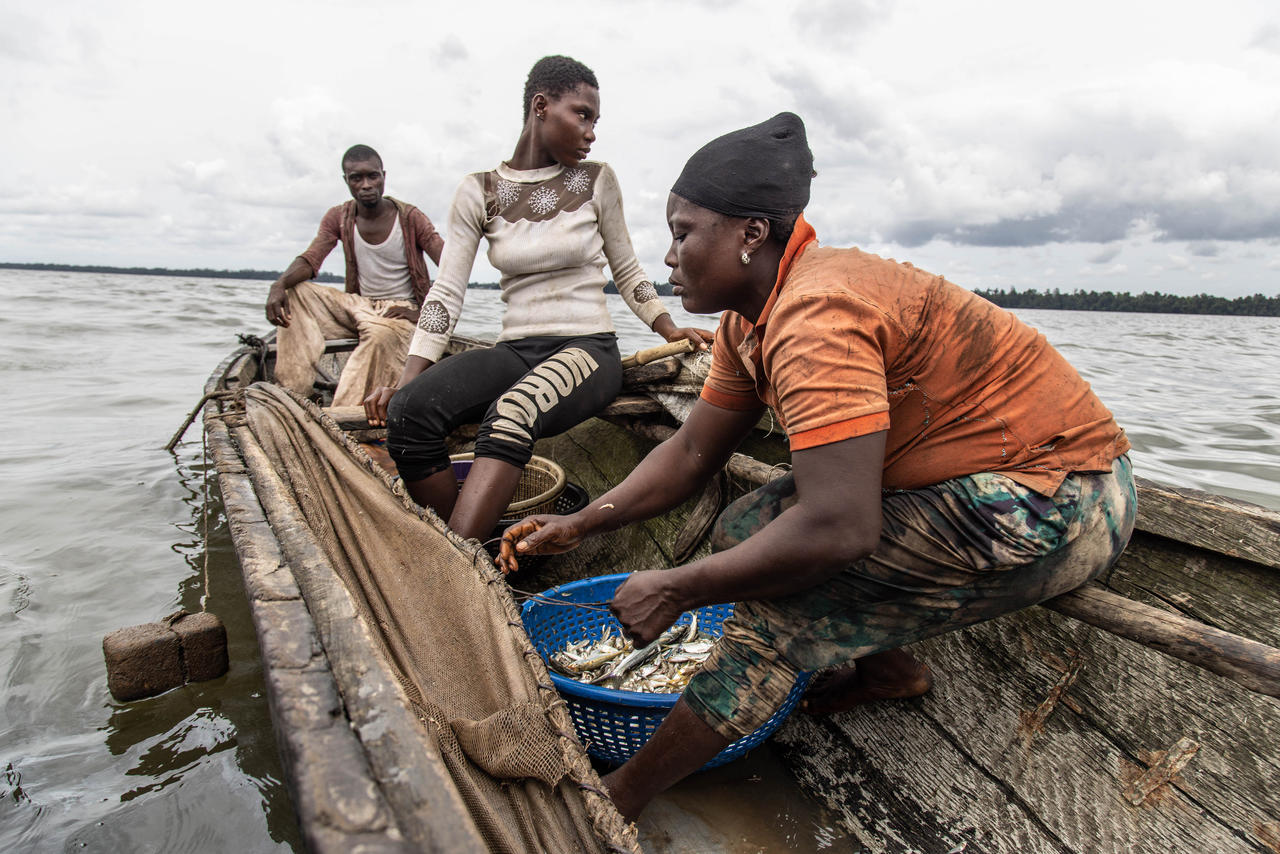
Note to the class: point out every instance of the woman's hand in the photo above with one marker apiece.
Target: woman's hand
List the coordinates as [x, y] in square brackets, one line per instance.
[666, 327]
[375, 405]
[646, 604]
[699, 338]
[537, 535]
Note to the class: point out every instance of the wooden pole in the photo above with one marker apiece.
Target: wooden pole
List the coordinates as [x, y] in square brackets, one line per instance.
[1254, 665]
[644, 357]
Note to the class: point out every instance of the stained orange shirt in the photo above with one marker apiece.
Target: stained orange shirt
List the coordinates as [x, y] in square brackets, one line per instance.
[850, 344]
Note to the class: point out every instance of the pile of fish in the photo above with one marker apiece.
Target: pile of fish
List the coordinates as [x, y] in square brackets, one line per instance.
[663, 667]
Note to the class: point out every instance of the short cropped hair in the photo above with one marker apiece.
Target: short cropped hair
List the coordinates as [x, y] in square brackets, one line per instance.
[553, 76]
[357, 153]
[781, 229]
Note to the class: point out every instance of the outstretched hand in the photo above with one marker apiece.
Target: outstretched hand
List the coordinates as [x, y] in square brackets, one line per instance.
[536, 535]
[646, 604]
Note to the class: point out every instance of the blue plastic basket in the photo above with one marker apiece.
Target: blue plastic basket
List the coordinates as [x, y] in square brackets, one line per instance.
[614, 724]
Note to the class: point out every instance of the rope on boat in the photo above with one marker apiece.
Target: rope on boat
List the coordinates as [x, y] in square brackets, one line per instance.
[191, 416]
[204, 514]
[551, 600]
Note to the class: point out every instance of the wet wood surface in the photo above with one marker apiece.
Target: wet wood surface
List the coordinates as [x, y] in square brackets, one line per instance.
[1034, 739]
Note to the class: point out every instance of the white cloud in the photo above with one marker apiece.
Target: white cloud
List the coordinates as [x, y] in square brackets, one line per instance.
[986, 140]
[1106, 256]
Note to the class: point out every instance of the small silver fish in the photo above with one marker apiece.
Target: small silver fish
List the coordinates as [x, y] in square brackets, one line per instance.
[671, 636]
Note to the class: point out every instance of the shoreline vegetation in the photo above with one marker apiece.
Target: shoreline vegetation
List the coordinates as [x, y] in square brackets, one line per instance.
[1256, 305]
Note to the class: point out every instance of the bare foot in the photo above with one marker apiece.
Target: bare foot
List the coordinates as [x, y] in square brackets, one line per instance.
[843, 689]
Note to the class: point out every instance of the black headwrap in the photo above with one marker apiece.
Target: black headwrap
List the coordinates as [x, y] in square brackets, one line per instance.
[760, 171]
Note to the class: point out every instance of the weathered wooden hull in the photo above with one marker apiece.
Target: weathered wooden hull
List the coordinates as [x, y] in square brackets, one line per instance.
[1042, 734]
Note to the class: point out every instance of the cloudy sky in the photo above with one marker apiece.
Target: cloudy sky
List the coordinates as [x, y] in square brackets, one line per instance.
[1114, 145]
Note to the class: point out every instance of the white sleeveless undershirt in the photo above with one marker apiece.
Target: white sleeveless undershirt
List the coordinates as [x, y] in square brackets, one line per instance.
[383, 271]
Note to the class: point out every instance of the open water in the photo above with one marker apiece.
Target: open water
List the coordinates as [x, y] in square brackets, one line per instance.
[100, 528]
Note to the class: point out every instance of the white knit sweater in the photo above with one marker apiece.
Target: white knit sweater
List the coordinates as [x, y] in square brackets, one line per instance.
[550, 233]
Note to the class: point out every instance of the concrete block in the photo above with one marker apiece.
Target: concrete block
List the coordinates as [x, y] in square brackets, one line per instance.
[204, 645]
[152, 658]
[142, 661]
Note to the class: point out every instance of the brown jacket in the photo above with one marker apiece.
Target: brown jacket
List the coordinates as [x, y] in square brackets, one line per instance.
[339, 224]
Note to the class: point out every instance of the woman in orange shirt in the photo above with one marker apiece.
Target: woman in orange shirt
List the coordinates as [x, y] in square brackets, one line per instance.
[948, 465]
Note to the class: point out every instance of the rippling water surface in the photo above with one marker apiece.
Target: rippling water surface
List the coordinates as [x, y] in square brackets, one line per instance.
[100, 528]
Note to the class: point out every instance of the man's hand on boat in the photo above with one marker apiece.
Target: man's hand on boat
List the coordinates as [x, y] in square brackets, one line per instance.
[537, 535]
[403, 312]
[278, 313]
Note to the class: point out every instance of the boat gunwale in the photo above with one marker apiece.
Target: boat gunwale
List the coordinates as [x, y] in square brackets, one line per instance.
[448, 824]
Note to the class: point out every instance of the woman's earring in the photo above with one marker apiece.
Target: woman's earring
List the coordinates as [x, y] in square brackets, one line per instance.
[746, 259]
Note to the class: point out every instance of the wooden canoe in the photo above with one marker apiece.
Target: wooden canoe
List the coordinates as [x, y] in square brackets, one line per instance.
[1139, 715]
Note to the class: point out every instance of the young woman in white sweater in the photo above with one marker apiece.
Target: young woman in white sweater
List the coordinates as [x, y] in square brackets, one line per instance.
[551, 219]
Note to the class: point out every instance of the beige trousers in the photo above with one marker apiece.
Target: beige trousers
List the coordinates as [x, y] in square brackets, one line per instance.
[319, 313]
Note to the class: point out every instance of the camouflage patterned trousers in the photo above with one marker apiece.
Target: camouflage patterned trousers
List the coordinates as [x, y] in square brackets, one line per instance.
[950, 555]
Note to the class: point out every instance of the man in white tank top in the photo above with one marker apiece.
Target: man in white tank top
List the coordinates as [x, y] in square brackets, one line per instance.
[383, 240]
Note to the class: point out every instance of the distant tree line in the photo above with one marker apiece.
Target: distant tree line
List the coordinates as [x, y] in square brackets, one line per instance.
[196, 272]
[1078, 300]
[205, 273]
[664, 288]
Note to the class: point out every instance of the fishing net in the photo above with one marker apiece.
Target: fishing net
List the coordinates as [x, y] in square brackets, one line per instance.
[443, 621]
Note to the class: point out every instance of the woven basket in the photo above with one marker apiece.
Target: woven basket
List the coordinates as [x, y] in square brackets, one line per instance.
[541, 483]
[614, 724]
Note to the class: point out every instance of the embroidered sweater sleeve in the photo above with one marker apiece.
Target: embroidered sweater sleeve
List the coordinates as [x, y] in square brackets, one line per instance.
[637, 291]
[440, 313]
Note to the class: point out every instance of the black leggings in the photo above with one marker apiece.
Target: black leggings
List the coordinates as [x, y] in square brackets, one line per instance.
[525, 389]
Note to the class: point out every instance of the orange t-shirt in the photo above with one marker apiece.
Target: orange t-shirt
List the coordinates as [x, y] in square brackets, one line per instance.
[850, 344]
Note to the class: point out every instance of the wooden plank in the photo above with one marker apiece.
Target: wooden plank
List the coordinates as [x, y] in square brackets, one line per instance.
[630, 405]
[898, 785]
[1125, 708]
[1215, 522]
[651, 372]
[1006, 756]
[1147, 703]
[352, 418]
[741, 466]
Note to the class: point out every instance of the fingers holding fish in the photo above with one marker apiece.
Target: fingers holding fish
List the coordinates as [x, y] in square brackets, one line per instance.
[645, 604]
